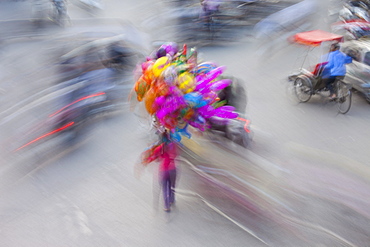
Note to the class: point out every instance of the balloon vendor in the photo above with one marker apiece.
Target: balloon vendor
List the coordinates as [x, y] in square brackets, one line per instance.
[178, 91]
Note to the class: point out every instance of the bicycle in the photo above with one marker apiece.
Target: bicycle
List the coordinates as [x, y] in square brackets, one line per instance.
[307, 83]
[304, 89]
[344, 96]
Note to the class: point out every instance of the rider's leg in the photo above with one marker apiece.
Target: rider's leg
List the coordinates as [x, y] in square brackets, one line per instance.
[165, 183]
[329, 84]
[172, 175]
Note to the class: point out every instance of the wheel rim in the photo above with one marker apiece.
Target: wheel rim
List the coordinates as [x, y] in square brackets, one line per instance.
[302, 90]
[344, 99]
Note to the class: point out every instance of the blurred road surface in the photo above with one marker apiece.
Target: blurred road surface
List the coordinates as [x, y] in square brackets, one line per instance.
[304, 181]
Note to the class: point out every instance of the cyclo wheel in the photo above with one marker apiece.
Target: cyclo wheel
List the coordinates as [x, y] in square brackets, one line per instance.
[344, 97]
[303, 89]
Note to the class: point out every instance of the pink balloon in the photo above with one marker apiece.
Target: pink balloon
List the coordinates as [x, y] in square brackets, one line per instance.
[200, 85]
[206, 111]
[216, 72]
[145, 65]
[170, 106]
[161, 113]
[175, 102]
[203, 80]
[221, 84]
[160, 100]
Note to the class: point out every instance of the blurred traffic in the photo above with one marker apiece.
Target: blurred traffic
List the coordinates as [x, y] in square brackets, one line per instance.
[274, 172]
[90, 77]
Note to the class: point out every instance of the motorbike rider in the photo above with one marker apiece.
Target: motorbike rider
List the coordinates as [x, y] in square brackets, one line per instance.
[61, 7]
[234, 95]
[209, 7]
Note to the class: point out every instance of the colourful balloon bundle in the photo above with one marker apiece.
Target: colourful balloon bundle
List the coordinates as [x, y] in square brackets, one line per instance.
[180, 92]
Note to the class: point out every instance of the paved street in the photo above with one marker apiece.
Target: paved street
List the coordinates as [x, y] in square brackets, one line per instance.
[304, 181]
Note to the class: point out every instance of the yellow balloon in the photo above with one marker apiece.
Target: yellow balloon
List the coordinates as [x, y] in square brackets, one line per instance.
[186, 82]
[160, 65]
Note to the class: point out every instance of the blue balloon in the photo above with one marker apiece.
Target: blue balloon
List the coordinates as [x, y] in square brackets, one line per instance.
[183, 131]
[192, 97]
[175, 136]
[201, 103]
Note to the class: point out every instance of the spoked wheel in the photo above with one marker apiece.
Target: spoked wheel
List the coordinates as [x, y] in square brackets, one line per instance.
[303, 89]
[344, 97]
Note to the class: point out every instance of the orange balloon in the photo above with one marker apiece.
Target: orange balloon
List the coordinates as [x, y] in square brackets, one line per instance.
[148, 75]
[161, 88]
[141, 87]
[150, 97]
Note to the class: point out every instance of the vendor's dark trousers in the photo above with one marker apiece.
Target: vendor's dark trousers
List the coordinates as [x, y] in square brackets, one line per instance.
[168, 182]
[330, 82]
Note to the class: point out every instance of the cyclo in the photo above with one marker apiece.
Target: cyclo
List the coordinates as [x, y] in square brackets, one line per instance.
[306, 83]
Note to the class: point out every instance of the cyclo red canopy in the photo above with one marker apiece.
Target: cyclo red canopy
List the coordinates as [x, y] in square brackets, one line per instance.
[316, 37]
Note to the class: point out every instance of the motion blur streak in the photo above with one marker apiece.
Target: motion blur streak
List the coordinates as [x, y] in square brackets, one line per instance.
[246, 124]
[47, 134]
[74, 102]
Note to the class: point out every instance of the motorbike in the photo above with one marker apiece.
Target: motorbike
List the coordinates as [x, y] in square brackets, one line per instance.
[354, 10]
[352, 29]
[236, 130]
[75, 105]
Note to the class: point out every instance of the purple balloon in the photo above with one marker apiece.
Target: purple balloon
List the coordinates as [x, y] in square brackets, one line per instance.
[219, 120]
[225, 114]
[170, 47]
[201, 119]
[197, 125]
[226, 108]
